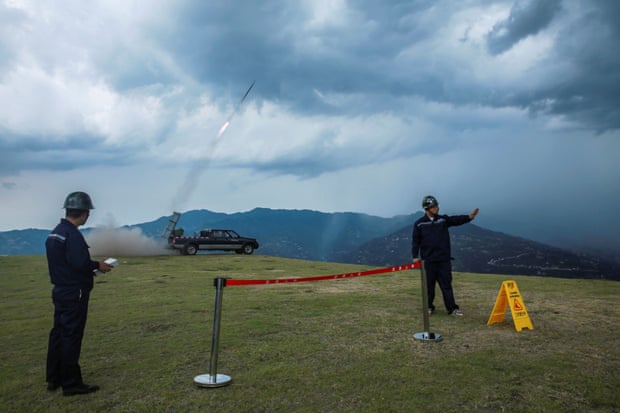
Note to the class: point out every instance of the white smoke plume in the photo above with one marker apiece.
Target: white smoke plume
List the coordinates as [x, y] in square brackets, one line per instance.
[109, 241]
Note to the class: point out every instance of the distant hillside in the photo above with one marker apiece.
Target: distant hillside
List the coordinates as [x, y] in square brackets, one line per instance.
[479, 250]
[363, 239]
[23, 242]
[308, 234]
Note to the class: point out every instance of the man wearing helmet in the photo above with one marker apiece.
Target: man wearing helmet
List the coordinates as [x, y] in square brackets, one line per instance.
[71, 271]
[431, 243]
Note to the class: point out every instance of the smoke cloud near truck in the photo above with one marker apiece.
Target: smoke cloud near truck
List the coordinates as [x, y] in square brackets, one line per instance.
[124, 242]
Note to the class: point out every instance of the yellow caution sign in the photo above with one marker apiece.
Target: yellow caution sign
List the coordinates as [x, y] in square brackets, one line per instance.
[509, 296]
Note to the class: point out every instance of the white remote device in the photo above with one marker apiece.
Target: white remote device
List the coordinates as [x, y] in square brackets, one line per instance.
[111, 261]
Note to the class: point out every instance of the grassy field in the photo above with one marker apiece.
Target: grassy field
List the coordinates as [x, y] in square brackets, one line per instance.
[331, 346]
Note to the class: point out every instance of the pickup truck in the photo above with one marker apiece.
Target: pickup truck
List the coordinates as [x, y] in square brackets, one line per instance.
[212, 240]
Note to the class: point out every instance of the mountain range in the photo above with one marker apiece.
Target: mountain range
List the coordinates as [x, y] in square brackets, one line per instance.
[362, 239]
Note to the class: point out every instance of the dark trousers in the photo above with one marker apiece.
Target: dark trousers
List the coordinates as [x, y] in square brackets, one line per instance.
[65, 340]
[441, 273]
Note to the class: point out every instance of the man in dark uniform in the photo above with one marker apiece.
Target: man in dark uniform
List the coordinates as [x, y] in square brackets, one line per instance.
[431, 243]
[71, 271]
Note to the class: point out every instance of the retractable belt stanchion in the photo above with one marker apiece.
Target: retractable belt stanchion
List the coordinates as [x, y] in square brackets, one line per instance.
[213, 379]
[426, 335]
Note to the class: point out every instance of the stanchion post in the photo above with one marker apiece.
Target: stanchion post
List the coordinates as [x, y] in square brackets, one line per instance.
[426, 335]
[213, 379]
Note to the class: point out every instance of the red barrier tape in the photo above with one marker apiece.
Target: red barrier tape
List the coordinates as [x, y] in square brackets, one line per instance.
[324, 277]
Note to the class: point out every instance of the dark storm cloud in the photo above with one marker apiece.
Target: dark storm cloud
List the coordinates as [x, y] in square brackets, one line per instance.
[354, 62]
[277, 44]
[295, 61]
[527, 17]
[586, 86]
[63, 153]
[224, 44]
[127, 70]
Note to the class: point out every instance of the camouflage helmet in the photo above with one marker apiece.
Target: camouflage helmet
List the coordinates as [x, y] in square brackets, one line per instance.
[429, 201]
[78, 200]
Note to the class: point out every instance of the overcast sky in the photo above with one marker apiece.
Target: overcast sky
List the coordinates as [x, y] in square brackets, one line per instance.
[363, 106]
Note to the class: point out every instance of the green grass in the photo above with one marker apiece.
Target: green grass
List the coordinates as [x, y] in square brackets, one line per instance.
[331, 346]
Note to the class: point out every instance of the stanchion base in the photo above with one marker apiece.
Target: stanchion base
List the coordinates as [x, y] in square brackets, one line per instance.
[207, 380]
[426, 336]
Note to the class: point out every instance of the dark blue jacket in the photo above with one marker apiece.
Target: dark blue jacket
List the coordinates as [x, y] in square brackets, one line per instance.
[431, 238]
[68, 258]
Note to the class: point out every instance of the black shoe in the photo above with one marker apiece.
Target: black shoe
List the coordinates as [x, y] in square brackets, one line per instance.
[51, 386]
[81, 389]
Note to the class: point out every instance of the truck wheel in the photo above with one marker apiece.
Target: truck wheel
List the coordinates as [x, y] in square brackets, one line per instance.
[191, 249]
[248, 249]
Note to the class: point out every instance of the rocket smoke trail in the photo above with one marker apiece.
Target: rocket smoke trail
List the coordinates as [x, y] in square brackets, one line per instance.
[227, 123]
[199, 166]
